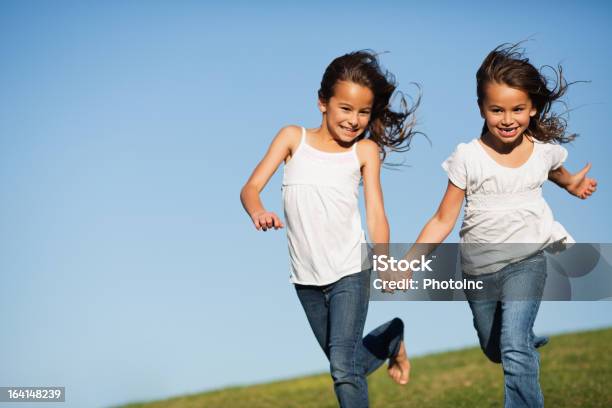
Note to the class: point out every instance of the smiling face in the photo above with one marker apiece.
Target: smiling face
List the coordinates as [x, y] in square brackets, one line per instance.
[506, 111]
[347, 113]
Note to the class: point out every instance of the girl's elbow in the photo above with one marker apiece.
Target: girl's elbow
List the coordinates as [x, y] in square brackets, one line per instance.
[247, 190]
[243, 191]
[249, 186]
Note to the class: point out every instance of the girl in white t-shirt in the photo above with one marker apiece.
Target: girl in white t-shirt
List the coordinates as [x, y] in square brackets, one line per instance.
[323, 170]
[500, 175]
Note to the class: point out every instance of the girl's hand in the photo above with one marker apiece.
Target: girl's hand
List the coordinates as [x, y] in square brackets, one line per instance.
[393, 278]
[265, 220]
[580, 185]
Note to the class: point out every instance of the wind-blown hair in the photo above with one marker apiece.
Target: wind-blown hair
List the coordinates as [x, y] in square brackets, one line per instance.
[507, 65]
[391, 130]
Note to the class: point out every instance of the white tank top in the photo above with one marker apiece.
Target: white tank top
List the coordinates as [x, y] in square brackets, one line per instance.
[320, 196]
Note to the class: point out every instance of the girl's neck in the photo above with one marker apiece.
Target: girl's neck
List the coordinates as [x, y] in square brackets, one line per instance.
[324, 140]
[512, 155]
[503, 148]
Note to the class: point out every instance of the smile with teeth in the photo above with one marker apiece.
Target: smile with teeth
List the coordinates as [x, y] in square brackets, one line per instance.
[508, 132]
[350, 130]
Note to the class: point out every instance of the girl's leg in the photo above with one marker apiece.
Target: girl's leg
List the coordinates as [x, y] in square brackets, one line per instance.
[486, 313]
[337, 314]
[348, 307]
[487, 322]
[350, 354]
[382, 343]
[315, 304]
[522, 289]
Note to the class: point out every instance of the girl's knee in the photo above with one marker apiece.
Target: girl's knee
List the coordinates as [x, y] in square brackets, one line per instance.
[345, 366]
[521, 357]
[344, 372]
[493, 354]
[396, 327]
[397, 323]
[342, 363]
[516, 344]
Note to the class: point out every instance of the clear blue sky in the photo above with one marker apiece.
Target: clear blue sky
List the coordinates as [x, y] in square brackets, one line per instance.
[128, 268]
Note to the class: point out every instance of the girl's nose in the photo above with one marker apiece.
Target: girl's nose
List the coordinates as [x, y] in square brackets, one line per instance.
[507, 119]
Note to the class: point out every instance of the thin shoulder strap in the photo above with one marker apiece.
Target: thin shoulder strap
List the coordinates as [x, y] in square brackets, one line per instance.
[303, 135]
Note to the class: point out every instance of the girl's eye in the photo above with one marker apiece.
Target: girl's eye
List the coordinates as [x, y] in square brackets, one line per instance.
[344, 108]
[518, 109]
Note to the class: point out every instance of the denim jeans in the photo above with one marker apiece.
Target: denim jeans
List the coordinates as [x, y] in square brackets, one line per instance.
[504, 323]
[337, 313]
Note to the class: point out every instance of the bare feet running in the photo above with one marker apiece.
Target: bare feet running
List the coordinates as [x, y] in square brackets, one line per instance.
[399, 366]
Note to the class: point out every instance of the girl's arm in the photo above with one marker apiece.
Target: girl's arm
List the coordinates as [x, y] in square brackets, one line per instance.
[376, 219]
[576, 184]
[442, 223]
[280, 148]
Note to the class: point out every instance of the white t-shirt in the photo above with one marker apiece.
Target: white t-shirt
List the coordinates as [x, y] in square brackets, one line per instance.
[504, 205]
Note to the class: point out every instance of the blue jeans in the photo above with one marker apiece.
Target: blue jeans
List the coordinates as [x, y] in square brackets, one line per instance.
[337, 314]
[504, 319]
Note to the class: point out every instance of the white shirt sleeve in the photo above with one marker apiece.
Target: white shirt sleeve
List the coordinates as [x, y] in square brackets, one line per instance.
[455, 167]
[557, 155]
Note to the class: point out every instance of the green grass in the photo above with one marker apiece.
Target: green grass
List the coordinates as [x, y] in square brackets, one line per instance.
[576, 372]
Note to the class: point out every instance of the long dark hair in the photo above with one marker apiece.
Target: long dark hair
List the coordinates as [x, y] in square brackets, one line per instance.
[391, 130]
[507, 64]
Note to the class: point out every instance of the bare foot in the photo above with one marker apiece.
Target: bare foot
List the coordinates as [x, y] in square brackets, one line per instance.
[399, 366]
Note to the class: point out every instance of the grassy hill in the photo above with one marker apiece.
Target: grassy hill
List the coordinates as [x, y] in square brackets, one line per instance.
[576, 372]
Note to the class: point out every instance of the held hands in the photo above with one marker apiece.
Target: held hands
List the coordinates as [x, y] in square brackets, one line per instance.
[580, 185]
[391, 278]
[390, 275]
[265, 220]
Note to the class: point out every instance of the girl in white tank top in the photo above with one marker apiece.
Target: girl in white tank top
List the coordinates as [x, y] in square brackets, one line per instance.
[323, 169]
[320, 195]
